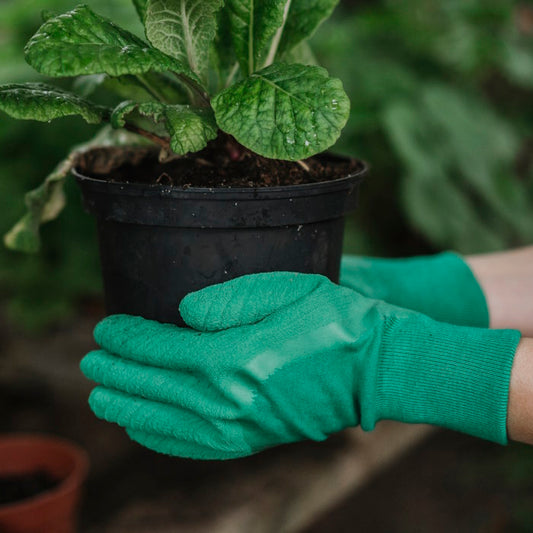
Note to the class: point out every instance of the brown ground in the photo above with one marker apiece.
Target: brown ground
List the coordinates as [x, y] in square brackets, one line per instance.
[451, 482]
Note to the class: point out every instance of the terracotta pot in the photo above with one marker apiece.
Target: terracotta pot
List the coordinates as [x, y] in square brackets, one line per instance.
[53, 511]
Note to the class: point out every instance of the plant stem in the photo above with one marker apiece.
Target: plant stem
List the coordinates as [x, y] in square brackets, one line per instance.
[251, 66]
[161, 141]
[277, 37]
[150, 89]
[234, 71]
[196, 89]
[305, 166]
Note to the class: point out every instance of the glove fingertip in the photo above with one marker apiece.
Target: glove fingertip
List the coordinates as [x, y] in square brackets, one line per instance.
[107, 404]
[95, 401]
[93, 363]
[113, 327]
[206, 310]
[245, 300]
[87, 364]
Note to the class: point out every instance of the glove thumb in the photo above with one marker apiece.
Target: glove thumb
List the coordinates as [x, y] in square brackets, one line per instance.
[245, 300]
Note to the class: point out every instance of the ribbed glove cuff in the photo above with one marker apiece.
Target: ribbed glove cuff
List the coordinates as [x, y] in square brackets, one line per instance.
[450, 376]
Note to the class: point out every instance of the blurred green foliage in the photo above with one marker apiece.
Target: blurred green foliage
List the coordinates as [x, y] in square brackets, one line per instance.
[441, 109]
[38, 290]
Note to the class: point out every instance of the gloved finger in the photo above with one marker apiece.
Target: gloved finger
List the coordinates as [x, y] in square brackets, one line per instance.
[146, 415]
[139, 414]
[245, 300]
[156, 344]
[181, 448]
[184, 389]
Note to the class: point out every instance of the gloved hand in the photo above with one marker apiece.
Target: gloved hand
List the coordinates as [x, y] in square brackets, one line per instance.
[282, 357]
[441, 286]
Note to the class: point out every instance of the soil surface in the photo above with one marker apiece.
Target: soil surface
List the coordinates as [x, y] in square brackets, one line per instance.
[223, 163]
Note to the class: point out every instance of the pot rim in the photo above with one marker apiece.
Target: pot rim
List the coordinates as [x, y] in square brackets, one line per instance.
[67, 485]
[279, 191]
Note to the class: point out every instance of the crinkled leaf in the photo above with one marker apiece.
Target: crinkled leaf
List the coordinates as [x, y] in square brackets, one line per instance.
[284, 111]
[253, 24]
[183, 29]
[303, 19]
[141, 6]
[46, 201]
[81, 42]
[37, 101]
[189, 128]
[155, 110]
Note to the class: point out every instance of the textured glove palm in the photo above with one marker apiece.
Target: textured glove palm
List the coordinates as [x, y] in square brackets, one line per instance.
[281, 357]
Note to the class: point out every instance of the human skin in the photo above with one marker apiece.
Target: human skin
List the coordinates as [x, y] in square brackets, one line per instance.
[507, 281]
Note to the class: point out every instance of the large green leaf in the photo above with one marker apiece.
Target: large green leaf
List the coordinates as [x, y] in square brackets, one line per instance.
[284, 111]
[46, 201]
[37, 101]
[183, 29]
[81, 42]
[303, 19]
[189, 128]
[154, 110]
[253, 24]
[223, 59]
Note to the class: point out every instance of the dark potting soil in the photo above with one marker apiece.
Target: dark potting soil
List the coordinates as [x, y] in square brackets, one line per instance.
[223, 163]
[14, 488]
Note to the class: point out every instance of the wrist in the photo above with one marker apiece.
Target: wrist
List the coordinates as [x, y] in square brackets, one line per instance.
[520, 412]
[505, 278]
[451, 376]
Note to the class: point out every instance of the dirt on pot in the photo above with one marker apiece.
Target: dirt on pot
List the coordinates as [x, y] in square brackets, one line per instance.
[223, 163]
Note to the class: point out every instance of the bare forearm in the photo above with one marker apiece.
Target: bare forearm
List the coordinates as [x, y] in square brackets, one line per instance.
[507, 281]
[520, 409]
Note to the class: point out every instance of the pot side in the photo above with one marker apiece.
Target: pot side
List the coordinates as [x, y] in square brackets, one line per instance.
[158, 243]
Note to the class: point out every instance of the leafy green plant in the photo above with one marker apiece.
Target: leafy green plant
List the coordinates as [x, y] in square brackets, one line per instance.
[238, 68]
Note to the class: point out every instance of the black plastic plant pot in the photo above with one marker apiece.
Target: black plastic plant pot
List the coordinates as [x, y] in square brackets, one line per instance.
[158, 243]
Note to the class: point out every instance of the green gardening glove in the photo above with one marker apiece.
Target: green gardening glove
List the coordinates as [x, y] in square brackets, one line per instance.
[441, 286]
[282, 357]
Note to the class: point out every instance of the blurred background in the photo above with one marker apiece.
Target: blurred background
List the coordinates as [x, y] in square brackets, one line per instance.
[442, 109]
